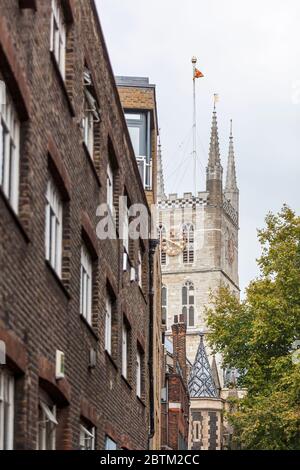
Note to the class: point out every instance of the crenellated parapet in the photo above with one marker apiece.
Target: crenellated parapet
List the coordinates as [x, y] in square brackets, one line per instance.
[173, 201]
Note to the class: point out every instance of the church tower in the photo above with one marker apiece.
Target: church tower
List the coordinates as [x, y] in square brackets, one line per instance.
[199, 254]
[199, 244]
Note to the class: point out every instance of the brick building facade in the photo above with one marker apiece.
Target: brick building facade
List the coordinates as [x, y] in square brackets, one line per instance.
[74, 314]
[138, 98]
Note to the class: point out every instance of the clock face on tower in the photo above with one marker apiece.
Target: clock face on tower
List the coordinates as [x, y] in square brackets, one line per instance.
[172, 247]
[230, 250]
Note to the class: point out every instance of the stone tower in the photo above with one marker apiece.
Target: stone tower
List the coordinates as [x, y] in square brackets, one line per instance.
[199, 245]
[199, 253]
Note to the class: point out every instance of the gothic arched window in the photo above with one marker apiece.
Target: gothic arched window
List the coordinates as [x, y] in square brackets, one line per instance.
[188, 237]
[188, 303]
[164, 304]
[162, 237]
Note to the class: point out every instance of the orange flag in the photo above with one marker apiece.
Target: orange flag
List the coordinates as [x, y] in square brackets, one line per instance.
[198, 74]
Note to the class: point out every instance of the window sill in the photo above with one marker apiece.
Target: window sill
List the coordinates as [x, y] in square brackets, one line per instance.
[126, 382]
[89, 327]
[91, 162]
[111, 360]
[15, 217]
[58, 280]
[62, 85]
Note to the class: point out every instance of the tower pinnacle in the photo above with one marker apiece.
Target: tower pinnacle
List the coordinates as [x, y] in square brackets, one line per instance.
[231, 189]
[214, 171]
[214, 149]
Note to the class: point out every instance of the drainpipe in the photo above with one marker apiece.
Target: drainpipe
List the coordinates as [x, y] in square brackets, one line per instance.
[152, 248]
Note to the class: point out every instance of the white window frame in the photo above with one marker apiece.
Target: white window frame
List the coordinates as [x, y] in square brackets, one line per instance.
[53, 229]
[110, 444]
[58, 39]
[125, 335]
[126, 227]
[140, 268]
[108, 324]
[110, 187]
[9, 149]
[86, 281]
[88, 127]
[7, 409]
[91, 112]
[138, 374]
[47, 427]
[141, 122]
[87, 438]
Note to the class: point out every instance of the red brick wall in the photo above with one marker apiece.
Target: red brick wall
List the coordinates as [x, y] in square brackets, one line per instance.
[42, 312]
[178, 419]
[175, 412]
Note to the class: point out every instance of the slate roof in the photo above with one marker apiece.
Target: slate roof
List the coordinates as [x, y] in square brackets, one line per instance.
[201, 382]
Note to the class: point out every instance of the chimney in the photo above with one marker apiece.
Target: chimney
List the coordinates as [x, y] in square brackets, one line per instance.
[179, 344]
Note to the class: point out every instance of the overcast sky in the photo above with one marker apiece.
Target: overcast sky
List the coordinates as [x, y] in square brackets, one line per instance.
[249, 52]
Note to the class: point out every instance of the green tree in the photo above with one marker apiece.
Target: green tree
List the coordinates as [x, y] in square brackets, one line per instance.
[257, 335]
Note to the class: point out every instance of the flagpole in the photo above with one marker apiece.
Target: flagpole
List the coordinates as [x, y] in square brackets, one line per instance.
[194, 61]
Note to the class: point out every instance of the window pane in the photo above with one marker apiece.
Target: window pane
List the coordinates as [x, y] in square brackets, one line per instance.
[110, 189]
[164, 315]
[86, 285]
[191, 316]
[53, 227]
[184, 313]
[9, 152]
[164, 296]
[6, 410]
[108, 320]
[110, 444]
[135, 139]
[135, 117]
[87, 438]
[184, 295]
[58, 36]
[124, 350]
[138, 375]
[138, 133]
[47, 427]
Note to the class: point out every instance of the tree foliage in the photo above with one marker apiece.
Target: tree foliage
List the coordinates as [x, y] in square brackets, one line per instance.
[257, 335]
